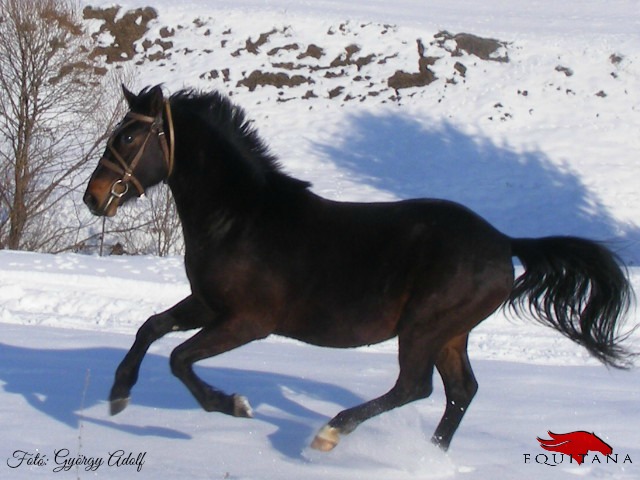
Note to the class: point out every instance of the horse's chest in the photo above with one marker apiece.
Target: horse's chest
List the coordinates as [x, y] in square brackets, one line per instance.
[235, 283]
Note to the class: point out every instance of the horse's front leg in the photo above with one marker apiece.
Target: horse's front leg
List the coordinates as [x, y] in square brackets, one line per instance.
[190, 313]
[208, 342]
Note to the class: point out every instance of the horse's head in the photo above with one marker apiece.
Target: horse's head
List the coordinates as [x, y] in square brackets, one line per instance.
[138, 153]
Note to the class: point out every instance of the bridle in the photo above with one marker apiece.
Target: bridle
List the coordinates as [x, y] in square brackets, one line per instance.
[120, 187]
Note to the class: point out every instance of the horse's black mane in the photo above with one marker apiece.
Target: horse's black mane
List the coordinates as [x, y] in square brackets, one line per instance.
[230, 122]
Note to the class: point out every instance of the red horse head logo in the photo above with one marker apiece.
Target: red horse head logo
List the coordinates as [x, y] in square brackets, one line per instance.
[575, 444]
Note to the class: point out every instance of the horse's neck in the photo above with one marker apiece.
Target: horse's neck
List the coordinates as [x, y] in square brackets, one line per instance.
[209, 204]
[214, 189]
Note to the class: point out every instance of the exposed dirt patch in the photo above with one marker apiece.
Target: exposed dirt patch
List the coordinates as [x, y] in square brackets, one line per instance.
[347, 58]
[422, 78]
[126, 31]
[279, 80]
[288, 48]
[215, 74]
[567, 71]
[484, 48]
[78, 66]
[336, 92]
[288, 66]
[616, 59]
[312, 51]
[166, 32]
[284, 63]
[461, 69]
[254, 47]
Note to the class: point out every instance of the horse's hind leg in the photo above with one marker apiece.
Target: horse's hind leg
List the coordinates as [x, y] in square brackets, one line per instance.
[460, 387]
[415, 381]
[186, 315]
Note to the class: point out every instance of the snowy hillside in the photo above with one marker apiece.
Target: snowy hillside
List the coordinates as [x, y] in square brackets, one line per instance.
[539, 135]
[527, 112]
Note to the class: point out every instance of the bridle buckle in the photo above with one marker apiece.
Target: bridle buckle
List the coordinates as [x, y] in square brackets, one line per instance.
[117, 184]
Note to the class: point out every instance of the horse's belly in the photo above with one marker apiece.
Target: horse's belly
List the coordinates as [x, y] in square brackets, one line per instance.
[342, 331]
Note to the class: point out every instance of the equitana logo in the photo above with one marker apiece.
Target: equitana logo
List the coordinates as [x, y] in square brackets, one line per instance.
[575, 448]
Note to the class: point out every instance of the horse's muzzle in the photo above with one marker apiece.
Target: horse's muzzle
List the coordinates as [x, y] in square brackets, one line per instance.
[104, 202]
[92, 203]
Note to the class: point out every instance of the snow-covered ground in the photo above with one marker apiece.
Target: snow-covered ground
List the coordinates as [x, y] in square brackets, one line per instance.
[67, 321]
[546, 143]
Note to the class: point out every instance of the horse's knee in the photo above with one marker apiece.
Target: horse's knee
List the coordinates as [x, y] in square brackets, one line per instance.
[178, 363]
[406, 393]
[470, 392]
[464, 391]
[471, 388]
[462, 396]
[154, 328]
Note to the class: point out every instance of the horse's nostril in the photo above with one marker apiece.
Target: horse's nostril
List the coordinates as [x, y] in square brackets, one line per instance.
[90, 201]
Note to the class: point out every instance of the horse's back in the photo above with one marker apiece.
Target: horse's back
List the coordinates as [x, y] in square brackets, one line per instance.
[425, 224]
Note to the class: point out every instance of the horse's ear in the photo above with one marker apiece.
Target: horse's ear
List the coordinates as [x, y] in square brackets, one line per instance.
[157, 100]
[129, 96]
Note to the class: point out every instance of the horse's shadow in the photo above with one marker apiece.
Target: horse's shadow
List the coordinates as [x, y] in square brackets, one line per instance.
[522, 192]
[64, 383]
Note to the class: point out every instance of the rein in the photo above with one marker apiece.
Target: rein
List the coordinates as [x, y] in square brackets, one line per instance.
[156, 126]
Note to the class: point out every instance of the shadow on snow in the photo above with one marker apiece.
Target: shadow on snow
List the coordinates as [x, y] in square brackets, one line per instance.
[54, 382]
[523, 194]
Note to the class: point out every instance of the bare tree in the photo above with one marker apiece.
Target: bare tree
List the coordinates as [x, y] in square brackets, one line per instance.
[150, 226]
[165, 227]
[55, 113]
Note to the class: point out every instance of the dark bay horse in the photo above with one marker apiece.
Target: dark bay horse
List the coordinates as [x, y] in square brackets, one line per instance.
[264, 255]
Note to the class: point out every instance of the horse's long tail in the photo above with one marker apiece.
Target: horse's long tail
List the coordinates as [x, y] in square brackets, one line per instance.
[577, 287]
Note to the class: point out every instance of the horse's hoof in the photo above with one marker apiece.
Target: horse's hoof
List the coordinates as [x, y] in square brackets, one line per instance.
[117, 405]
[326, 439]
[241, 407]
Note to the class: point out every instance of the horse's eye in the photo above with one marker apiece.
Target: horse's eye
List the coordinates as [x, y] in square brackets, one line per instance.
[127, 139]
